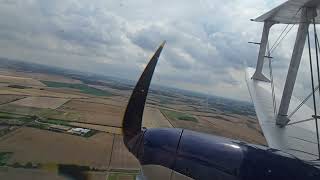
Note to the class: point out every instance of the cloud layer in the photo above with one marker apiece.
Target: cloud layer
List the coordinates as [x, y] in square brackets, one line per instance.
[206, 49]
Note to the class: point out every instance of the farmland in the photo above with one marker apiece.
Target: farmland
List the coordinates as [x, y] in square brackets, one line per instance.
[175, 115]
[81, 87]
[4, 99]
[35, 146]
[88, 112]
[41, 102]
[50, 118]
[20, 80]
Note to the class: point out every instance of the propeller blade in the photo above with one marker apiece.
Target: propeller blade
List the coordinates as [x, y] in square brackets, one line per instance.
[133, 115]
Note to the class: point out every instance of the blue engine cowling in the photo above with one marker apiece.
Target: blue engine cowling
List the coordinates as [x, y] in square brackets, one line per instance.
[204, 156]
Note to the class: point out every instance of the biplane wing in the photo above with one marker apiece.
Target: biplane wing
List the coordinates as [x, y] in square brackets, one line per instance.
[287, 123]
[289, 12]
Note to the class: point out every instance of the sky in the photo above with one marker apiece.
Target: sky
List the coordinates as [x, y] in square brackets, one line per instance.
[206, 48]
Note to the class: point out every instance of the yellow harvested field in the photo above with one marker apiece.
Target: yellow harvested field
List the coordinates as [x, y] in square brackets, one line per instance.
[107, 129]
[46, 147]
[88, 112]
[41, 102]
[20, 80]
[121, 157]
[153, 118]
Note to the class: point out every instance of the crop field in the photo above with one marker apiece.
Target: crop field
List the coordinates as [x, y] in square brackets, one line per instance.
[175, 115]
[153, 118]
[9, 98]
[121, 158]
[221, 127]
[41, 102]
[82, 87]
[22, 110]
[20, 80]
[88, 112]
[45, 147]
[242, 130]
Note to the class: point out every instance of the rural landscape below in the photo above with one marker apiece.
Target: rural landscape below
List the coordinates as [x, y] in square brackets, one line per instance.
[54, 119]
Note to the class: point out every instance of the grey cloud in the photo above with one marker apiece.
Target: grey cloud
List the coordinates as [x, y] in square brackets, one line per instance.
[206, 39]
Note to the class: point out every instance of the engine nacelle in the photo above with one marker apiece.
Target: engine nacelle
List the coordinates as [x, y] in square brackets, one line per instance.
[203, 156]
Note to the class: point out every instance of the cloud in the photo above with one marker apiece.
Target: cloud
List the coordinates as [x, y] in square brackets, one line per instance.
[206, 46]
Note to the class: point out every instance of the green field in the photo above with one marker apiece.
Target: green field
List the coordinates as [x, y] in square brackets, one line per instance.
[82, 87]
[4, 157]
[174, 115]
[9, 116]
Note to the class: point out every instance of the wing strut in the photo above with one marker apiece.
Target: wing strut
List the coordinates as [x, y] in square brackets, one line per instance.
[312, 81]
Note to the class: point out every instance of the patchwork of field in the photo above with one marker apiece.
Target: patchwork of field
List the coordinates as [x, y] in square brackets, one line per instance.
[45, 147]
[41, 102]
[38, 110]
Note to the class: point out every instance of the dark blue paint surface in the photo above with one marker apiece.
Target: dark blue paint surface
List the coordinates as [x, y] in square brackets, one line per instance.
[160, 146]
[203, 156]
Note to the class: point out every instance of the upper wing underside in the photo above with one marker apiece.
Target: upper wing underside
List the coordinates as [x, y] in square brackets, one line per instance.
[289, 12]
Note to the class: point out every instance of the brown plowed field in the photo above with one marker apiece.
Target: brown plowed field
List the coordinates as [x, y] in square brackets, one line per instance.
[45, 147]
